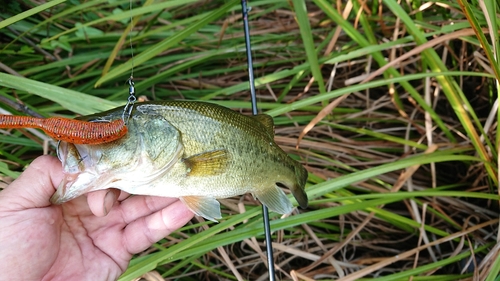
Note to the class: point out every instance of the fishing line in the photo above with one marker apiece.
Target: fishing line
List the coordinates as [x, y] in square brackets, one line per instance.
[127, 110]
[130, 41]
[251, 80]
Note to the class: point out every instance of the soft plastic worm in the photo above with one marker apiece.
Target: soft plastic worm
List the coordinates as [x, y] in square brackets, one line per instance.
[69, 130]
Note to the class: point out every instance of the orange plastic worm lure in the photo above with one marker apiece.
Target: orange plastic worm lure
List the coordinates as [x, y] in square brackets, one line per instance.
[69, 130]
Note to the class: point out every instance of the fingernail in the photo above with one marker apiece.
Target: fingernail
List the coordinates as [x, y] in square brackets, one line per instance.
[109, 201]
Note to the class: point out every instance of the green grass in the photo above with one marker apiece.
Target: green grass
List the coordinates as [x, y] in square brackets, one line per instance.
[406, 164]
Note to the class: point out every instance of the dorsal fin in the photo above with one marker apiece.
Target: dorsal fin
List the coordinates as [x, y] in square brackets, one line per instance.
[267, 121]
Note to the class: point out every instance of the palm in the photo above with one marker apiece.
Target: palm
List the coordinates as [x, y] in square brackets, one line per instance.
[68, 242]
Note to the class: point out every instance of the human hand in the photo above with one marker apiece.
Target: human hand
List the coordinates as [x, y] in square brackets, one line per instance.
[89, 238]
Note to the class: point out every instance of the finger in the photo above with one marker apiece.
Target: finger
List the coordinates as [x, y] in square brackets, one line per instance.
[139, 206]
[123, 195]
[142, 233]
[35, 185]
[101, 201]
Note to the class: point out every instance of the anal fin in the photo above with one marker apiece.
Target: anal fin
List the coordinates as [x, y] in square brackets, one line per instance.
[207, 207]
[274, 198]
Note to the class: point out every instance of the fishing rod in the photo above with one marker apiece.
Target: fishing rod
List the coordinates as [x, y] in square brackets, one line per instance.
[251, 80]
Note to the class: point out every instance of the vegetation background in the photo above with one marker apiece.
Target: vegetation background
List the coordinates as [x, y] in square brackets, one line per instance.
[392, 106]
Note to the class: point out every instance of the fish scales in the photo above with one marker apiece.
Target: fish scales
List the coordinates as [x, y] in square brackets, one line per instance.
[196, 151]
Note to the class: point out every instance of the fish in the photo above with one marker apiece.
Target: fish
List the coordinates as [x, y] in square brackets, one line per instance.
[195, 151]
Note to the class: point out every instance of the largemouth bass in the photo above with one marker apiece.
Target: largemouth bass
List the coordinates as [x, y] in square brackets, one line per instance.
[195, 151]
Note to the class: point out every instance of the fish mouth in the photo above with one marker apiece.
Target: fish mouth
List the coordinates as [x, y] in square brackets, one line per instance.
[65, 191]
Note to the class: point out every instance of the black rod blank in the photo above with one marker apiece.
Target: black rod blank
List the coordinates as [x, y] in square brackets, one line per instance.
[251, 79]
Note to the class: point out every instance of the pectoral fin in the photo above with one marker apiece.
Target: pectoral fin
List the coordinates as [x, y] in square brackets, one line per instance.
[207, 207]
[274, 198]
[207, 163]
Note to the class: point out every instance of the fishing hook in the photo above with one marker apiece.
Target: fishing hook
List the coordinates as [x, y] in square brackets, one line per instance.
[127, 110]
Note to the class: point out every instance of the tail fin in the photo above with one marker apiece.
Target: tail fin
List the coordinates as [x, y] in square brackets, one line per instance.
[298, 189]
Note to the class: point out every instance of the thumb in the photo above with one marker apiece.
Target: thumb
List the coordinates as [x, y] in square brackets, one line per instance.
[34, 187]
